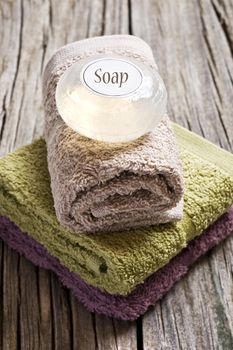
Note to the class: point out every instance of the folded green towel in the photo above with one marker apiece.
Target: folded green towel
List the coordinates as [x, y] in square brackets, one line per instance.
[117, 262]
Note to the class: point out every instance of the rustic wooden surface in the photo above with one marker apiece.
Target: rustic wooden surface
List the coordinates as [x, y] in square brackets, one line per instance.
[193, 45]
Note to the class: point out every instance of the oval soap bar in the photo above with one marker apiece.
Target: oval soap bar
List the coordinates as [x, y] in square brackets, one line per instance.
[110, 98]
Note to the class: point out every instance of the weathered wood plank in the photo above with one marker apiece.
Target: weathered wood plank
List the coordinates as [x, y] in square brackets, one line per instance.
[28, 317]
[9, 299]
[45, 307]
[192, 41]
[30, 33]
[193, 44]
[115, 334]
[83, 325]
[192, 316]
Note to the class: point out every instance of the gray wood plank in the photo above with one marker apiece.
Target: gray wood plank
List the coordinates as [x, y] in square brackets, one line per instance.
[30, 33]
[192, 42]
[9, 299]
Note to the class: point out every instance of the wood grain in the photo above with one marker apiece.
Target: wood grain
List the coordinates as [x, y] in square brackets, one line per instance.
[193, 45]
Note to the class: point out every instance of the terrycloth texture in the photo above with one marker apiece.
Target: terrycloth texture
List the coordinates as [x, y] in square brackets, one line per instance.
[104, 187]
[116, 262]
[146, 294]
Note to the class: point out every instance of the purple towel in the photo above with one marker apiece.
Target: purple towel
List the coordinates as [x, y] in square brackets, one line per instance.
[123, 307]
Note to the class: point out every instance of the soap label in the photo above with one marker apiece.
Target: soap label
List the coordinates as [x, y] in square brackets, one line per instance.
[111, 77]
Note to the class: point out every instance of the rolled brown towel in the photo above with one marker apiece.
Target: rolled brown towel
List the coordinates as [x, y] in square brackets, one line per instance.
[98, 186]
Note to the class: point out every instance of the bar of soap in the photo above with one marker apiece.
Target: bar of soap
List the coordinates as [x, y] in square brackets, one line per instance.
[110, 98]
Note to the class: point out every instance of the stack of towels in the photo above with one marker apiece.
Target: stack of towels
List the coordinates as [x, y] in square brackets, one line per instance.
[118, 224]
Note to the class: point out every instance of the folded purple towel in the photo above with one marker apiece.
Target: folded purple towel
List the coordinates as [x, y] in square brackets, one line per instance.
[136, 303]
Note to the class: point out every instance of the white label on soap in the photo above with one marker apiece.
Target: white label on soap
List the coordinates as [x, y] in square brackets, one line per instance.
[112, 77]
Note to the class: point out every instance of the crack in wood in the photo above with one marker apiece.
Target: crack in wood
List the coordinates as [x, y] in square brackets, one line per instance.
[51, 16]
[44, 48]
[162, 321]
[53, 340]
[176, 323]
[139, 334]
[3, 117]
[18, 120]
[19, 48]
[94, 330]
[71, 330]
[130, 25]
[18, 306]
[224, 26]
[114, 332]
[102, 32]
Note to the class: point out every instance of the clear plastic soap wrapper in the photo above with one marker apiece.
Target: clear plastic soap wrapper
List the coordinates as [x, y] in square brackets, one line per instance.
[111, 98]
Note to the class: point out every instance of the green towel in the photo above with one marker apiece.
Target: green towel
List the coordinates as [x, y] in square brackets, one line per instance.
[117, 262]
